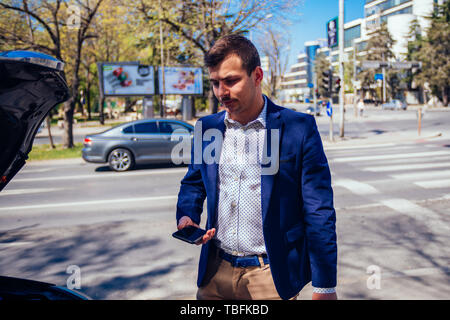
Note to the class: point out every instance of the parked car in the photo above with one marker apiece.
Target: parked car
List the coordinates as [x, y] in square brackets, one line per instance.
[394, 105]
[138, 142]
[371, 102]
[31, 85]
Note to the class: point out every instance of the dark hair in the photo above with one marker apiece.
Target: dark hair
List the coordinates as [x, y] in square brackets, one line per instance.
[233, 44]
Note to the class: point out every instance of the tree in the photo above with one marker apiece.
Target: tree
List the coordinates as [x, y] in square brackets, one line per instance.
[201, 23]
[415, 43]
[60, 29]
[434, 53]
[379, 47]
[273, 47]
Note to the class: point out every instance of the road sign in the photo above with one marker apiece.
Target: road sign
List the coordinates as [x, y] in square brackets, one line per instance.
[310, 85]
[378, 76]
[406, 65]
[329, 109]
[374, 64]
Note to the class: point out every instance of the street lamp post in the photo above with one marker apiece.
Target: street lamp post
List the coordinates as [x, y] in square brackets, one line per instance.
[162, 111]
[341, 66]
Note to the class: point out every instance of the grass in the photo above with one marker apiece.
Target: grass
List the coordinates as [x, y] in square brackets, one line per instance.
[45, 152]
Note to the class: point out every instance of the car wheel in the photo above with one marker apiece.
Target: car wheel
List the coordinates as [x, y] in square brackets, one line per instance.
[120, 160]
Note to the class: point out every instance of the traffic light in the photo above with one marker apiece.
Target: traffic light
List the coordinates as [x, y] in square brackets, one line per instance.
[327, 82]
[337, 85]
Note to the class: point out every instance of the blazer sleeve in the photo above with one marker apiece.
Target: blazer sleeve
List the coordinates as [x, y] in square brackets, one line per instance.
[192, 192]
[319, 213]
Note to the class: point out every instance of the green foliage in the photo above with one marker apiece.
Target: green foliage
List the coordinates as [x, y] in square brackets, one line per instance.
[434, 52]
[379, 47]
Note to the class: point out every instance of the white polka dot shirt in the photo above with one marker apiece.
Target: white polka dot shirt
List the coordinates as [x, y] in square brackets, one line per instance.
[239, 222]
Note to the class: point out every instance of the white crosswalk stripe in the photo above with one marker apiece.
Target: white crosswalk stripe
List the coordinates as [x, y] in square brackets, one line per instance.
[356, 187]
[422, 175]
[403, 167]
[392, 156]
[444, 183]
[386, 175]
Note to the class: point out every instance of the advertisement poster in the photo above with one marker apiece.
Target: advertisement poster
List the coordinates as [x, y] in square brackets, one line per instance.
[181, 80]
[133, 79]
[332, 32]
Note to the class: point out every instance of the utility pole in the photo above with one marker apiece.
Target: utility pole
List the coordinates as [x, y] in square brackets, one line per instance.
[384, 79]
[355, 90]
[315, 87]
[341, 66]
[162, 111]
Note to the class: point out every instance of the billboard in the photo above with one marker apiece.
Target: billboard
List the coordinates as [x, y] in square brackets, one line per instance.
[127, 79]
[332, 32]
[181, 80]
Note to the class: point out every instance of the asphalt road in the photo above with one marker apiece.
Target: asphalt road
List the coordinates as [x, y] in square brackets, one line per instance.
[391, 197]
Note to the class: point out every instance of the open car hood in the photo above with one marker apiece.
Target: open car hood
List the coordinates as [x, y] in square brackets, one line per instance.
[31, 84]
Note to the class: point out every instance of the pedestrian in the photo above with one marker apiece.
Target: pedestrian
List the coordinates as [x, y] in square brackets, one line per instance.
[361, 107]
[268, 233]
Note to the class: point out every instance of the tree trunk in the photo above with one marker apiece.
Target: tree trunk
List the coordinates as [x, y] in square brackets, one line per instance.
[213, 102]
[50, 137]
[445, 91]
[88, 100]
[69, 107]
[100, 110]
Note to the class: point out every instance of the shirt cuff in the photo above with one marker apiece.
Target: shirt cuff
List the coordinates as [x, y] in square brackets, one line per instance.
[324, 290]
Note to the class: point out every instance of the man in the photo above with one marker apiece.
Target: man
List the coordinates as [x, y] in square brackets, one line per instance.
[269, 233]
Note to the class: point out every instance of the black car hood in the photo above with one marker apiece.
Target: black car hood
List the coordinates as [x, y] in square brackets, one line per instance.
[29, 89]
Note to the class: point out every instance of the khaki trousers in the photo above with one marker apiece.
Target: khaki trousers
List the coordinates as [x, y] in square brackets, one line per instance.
[225, 282]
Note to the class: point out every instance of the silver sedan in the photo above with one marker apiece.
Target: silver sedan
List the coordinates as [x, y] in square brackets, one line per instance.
[138, 142]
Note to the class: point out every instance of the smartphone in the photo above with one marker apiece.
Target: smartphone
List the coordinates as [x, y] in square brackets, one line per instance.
[189, 234]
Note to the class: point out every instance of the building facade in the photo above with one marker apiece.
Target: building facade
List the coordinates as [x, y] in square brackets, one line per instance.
[398, 14]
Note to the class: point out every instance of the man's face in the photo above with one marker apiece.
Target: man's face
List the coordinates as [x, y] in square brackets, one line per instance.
[234, 88]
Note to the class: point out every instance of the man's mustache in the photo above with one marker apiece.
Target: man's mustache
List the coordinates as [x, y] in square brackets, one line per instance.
[222, 101]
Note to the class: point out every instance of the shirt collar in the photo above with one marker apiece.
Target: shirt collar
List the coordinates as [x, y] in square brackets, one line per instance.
[261, 117]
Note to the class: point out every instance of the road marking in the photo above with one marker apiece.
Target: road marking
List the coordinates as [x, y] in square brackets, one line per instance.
[428, 217]
[393, 156]
[432, 184]
[422, 175]
[416, 160]
[88, 203]
[377, 204]
[10, 192]
[407, 167]
[115, 175]
[361, 147]
[15, 244]
[356, 187]
[25, 170]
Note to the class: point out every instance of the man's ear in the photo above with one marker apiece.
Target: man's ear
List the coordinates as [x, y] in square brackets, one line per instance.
[259, 74]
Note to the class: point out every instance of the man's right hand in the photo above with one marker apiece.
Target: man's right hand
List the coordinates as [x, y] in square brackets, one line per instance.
[186, 221]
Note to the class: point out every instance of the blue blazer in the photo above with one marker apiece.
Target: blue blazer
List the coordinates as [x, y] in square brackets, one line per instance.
[297, 202]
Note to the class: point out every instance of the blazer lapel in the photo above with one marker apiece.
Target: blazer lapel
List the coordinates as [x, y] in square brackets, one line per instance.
[212, 170]
[273, 123]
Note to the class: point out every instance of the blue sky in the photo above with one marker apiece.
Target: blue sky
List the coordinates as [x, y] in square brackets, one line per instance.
[315, 14]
